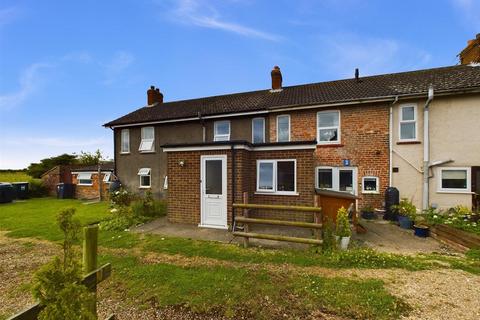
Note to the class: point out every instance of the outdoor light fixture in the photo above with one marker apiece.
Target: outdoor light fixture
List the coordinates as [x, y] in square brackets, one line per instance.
[181, 163]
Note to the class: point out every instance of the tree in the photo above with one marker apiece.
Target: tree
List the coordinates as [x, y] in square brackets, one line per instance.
[35, 170]
[57, 284]
[89, 159]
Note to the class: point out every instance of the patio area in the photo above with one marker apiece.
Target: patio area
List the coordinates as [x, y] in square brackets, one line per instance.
[381, 235]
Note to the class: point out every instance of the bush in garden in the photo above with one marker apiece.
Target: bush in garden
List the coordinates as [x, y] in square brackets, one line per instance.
[121, 197]
[329, 243]
[459, 217]
[343, 225]
[36, 188]
[57, 284]
[406, 208]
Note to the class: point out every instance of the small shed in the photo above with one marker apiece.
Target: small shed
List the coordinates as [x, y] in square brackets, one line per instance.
[330, 201]
[88, 183]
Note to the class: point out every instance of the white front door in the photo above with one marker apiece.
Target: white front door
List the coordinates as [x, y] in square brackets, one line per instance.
[213, 190]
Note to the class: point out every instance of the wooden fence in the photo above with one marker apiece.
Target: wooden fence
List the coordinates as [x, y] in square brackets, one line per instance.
[93, 275]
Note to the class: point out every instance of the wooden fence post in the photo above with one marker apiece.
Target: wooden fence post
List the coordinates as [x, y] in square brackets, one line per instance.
[90, 250]
[317, 216]
[245, 224]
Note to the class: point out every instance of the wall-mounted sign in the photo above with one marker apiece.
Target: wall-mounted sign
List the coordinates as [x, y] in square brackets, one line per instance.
[346, 162]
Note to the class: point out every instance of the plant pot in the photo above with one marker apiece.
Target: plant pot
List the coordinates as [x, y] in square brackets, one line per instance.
[344, 241]
[405, 222]
[421, 231]
[368, 215]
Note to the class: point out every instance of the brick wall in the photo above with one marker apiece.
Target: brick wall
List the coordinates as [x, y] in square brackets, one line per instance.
[364, 140]
[90, 192]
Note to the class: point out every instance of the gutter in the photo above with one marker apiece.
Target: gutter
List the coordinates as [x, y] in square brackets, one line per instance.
[426, 149]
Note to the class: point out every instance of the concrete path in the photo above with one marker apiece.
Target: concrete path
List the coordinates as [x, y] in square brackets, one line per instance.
[387, 237]
[381, 235]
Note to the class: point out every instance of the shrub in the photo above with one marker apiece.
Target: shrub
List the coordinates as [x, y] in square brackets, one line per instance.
[148, 207]
[121, 197]
[343, 225]
[329, 244]
[36, 188]
[458, 217]
[406, 208]
[56, 285]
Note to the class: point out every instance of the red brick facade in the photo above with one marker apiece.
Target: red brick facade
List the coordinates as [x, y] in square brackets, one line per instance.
[363, 140]
[90, 192]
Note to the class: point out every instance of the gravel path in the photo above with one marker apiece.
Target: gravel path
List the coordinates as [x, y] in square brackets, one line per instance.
[433, 294]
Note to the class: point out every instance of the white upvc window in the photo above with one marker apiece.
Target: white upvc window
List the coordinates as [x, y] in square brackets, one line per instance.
[221, 130]
[370, 184]
[283, 128]
[408, 122]
[258, 130]
[328, 127]
[84, 179]
[145, 180]
[342, 179]
[165, 183]
[106, 177]
[125, 141]
[147, 144]
[277, 176]
[454, 179]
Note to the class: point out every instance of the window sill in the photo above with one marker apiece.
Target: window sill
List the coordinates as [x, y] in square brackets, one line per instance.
[84, 185]
[329, 145]
[370, 192]
[144, 187]
[456, 191]
[124, 153]
[146, 151]
[409, 142]
[277, 193]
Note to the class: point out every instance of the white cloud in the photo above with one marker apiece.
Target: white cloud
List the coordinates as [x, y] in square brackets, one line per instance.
[470, 11]
[120, 61]
[29, 82]
[343, 53]
[203, 14]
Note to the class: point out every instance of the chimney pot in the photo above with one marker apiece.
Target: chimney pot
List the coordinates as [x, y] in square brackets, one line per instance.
[276, 78]
[154, 96]
[357, 74]
[478, 36]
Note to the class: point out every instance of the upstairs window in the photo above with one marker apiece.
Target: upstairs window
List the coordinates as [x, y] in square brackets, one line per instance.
[144, 174]
[147, 143]
[258, 130]
[221, 131]
[84, 179]
[408, 123]
[125, 141]
[283, 128]
[328, 127]
[276, 176]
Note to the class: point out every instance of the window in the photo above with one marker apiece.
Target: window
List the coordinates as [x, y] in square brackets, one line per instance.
[258, 130]
[328, 127]
[283, 128]
[125, 141]
[454, 179]
[336, 178]
[144, 174]
[106, 177]
[408, 123]
[165, 183]
[148, 138]
[222, 130]
[84, 179]
[370, 185]
[276, 176]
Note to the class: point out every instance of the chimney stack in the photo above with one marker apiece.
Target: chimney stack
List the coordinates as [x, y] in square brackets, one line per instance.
[471, 53]
[276, 79]
[154, 96]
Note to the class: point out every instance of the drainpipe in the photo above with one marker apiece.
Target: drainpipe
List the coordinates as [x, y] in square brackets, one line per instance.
[233, 185]
[390, 143]
[426, 149]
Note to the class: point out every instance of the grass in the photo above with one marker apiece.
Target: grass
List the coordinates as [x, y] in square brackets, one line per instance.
[14, 176]
[241, 288]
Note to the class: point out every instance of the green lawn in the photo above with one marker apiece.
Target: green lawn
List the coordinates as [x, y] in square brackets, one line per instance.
[239, 286]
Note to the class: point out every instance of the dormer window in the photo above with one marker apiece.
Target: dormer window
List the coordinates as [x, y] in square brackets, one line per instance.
[147, 144]
[222, 131]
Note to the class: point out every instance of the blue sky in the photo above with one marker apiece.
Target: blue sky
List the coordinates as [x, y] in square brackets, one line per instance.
[67, 67]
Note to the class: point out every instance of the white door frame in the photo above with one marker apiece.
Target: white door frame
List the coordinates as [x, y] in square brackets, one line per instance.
[202, 191]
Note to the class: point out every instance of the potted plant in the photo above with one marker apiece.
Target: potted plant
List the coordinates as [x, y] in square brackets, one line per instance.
[407, 213]
[421, 227]
[343, 230]
[368, 212]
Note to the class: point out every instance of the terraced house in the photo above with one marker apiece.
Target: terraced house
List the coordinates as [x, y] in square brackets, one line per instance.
[357, 136]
